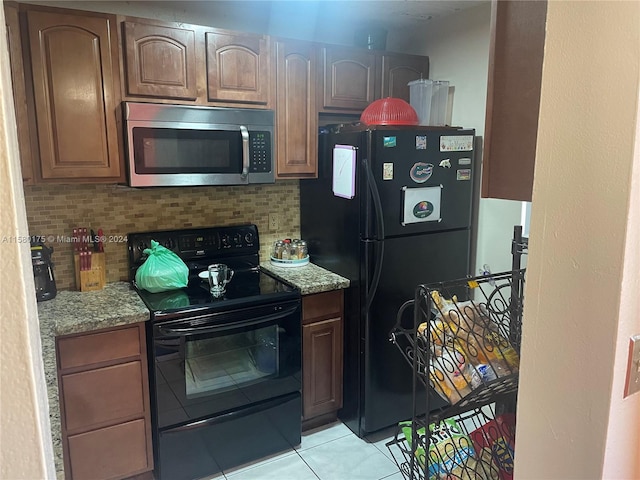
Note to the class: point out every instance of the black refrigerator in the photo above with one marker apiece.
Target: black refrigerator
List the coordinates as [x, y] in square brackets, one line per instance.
[391, 209]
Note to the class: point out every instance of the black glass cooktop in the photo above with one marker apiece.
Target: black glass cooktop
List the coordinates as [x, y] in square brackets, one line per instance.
[246, 288]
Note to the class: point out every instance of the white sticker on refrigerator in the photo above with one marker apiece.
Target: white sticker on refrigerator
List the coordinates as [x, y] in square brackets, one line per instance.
[421, 204]
[387, 171]
[464, 161]
[421, 142]
[456, 143]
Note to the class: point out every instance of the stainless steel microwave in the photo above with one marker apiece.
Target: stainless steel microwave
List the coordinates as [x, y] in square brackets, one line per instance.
[182, 145]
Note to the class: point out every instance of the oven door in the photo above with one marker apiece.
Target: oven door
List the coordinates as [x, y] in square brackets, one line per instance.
[214, 364]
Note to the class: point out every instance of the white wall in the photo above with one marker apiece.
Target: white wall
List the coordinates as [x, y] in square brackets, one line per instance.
[583, 275]
[26, 451]
[458, 50]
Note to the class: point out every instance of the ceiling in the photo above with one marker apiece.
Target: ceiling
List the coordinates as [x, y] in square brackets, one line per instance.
[385, 13]
[331, 21]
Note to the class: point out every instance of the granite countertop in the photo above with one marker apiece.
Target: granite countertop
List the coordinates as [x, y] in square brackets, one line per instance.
[76, 312]
[309, 279]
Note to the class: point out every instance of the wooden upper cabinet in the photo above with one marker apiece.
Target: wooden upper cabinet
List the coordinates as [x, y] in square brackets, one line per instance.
[238, 68]
[296, 115]
[74, 66]
[160, 61]
[513, 98]
[398, 70]
[347, 78]
[19, 93]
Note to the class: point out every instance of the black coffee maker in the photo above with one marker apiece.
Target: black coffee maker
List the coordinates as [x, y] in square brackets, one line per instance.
[43, 271]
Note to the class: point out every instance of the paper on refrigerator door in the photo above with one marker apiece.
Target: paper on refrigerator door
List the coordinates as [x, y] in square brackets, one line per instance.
[344, 171]
[421, 204]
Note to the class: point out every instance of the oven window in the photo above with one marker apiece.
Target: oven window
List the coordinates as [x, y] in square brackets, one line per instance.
[172, 150]
[229, 362]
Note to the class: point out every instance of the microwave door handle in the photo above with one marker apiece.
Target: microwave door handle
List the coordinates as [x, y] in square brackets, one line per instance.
[245, 151]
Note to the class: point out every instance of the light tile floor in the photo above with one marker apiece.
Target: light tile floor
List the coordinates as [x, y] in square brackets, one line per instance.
[330, 452]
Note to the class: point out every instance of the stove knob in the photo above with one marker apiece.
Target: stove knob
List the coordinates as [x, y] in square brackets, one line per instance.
[249, 238]
[225, 240]
[237, 239]
[142, 246]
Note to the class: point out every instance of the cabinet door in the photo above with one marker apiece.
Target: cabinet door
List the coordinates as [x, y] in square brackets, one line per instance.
[96, 397]
[348, 78]
[113, 452]
[72, 59]
[398, 70]
[160, 61]
[105, 418]
[19, 94]
[297, 118]
[238, 68]
[513, 98]
[322, 367]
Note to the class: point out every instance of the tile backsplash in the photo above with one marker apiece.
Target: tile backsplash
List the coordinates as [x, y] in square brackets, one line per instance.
[54, 210]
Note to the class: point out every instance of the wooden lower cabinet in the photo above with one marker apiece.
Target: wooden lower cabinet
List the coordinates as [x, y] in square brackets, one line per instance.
[112, 452]
[104, 403]
[322, 336]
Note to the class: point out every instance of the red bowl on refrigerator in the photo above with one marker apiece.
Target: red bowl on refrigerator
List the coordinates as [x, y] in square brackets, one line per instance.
[389, 111]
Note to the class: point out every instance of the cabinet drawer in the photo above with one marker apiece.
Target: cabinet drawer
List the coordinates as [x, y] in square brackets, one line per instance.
[94, 348]
[113, 452]
[321, 305]
[103, 395]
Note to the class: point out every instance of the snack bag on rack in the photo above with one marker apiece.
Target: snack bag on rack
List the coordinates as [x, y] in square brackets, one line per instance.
[494, 352]
[449, 453]
[452, 376]
[498, 437]
[479, 337]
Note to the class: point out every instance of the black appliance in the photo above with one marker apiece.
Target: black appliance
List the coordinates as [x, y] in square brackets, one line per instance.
[43, 271]
[403, 218]
[224, 372]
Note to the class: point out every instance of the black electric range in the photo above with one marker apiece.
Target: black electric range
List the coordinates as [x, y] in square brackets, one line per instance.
[220, 367]
[237, 246]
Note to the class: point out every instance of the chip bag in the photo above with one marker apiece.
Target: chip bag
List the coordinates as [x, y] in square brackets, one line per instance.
[163, 270]
[450, 452]
[498, 437]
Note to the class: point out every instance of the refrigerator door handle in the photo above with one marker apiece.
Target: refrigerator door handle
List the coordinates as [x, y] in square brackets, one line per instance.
[378, 251]
[375, 195]
[379, 244]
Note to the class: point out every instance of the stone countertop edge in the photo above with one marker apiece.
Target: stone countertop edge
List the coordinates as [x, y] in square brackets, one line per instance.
[77, 312]
[309, 278]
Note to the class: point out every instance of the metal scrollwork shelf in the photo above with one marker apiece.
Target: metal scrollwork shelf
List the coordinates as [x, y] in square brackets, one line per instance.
[462, 340]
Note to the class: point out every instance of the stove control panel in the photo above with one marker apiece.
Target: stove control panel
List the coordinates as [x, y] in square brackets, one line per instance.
[195, 243]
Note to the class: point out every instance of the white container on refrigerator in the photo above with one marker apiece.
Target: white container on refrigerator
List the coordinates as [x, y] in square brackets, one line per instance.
[439, 100]
[420, 93]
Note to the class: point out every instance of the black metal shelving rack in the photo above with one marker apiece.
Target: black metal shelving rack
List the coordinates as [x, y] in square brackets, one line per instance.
[464, 344]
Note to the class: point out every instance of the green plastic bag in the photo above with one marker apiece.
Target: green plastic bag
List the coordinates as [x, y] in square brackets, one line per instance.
[163, 270]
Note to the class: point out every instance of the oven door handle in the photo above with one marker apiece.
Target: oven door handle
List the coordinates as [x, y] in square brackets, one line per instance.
[231, 415]
[227, 326]
[245, 151]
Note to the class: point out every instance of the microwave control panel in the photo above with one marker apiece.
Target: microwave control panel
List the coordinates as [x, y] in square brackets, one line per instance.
[259, 151]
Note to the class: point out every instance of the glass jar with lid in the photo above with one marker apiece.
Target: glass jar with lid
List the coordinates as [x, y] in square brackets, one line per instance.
[303, 250]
